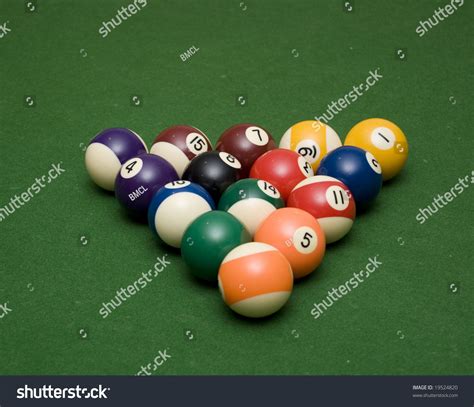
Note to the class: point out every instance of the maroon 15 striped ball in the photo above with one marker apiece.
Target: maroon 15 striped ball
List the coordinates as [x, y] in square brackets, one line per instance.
[179, 145]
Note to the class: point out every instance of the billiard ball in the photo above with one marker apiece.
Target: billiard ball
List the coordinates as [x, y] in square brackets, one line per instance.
[297, 235]
[329, 201]
[385, 140]
[251, 201]
[282, 168]
[138, 180]
[108, 150]
[246, 142]
[312, 139]
[214, 171]
[357, 169]
[208, 239]
[179, 145]
[255, 280]
[174, 207]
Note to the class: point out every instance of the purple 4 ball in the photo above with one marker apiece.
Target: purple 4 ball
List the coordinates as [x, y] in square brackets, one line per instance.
[138, 180]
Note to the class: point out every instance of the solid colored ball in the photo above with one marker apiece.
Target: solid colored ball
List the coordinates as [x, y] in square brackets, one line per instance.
[179, 145]
[139, 179]
[297, 235]
[107, 151]
[385, 140]
[255, 280]
[282, 168]
[357, 169]
[174, 207]
[251, 201]
[208, 240]
[214, 171]
[312, 139]
[246, 142]
[329, 201]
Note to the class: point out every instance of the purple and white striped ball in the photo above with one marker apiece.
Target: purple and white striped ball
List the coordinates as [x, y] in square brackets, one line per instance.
[108, 150]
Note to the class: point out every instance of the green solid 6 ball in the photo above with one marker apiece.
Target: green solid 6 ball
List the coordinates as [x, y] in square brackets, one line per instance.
[208, 240]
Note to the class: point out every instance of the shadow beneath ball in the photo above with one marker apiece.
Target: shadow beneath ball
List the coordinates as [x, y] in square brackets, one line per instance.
[275, 318]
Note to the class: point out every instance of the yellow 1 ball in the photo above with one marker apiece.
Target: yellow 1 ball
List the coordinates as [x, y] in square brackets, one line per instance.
[385, 140]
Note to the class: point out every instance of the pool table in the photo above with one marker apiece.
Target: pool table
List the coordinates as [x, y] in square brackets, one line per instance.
[69, 253]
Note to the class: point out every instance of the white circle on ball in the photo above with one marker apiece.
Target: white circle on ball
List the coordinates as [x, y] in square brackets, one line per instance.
[177, 184]
[374, 164]
[230, 160]
[305, 167]
[196, 143]
[305, 239]
[131, 168]
[256, 135]
[337, 197]
[383, 138]
[268, 189]
[309, 149]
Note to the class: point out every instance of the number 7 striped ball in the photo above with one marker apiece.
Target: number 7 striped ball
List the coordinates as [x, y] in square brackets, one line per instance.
[329, 201]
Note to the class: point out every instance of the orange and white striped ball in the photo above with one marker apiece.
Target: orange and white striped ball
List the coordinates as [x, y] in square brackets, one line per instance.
[329, 201]
[312, 139]
[255, 280]
[296, 234]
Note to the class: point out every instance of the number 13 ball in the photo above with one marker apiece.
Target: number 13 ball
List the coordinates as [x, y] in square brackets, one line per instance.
[385, 140]
[255, 280]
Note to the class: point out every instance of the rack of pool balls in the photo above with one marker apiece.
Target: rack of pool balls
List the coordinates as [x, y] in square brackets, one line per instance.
[249, 215]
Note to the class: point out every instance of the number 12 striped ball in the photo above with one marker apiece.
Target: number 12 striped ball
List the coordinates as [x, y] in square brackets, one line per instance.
[255, 280]
[179, 145]
[174, 207]
[251, 201]
[329, 201]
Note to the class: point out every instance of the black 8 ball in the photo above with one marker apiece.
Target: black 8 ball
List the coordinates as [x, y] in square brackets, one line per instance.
[214, 171]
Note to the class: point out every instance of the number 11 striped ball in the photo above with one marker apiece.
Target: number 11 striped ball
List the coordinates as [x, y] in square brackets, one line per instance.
[329, 201]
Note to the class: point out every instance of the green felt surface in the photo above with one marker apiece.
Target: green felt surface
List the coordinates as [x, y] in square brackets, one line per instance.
[70, 248]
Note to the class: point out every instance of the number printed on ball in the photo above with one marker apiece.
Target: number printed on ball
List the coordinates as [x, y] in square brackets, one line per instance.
[229, 159]
[374, 164]
[305, 239]
[309, 149]
[131, 168]
[268, 189]
[196, 143]
[382, 138]
[177, 184]
[305, 166]
[257, 136]
[337, 197]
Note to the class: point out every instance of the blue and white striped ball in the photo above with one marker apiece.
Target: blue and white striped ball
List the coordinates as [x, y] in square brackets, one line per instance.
[174, 207]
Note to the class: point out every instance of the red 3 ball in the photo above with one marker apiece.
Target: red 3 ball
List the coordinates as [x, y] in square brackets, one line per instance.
[283, 168]
[246, 142]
